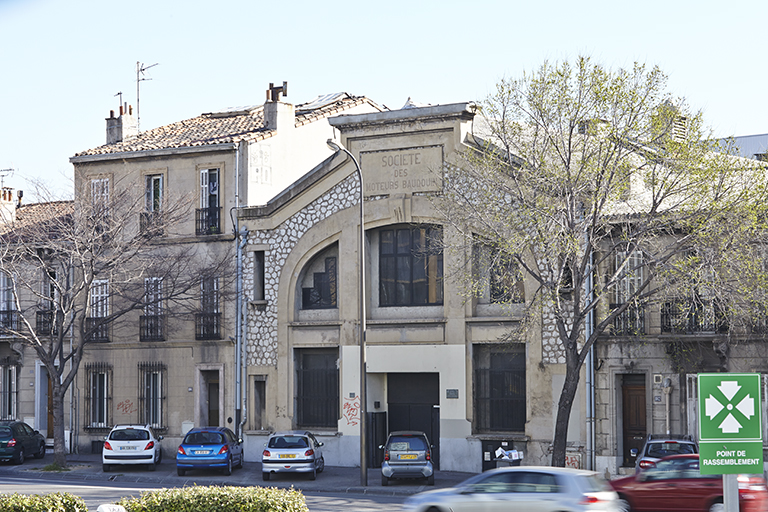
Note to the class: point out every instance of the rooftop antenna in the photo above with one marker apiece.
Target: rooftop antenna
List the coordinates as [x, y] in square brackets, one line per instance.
[121, 97]
[140, 69]
[3, 174]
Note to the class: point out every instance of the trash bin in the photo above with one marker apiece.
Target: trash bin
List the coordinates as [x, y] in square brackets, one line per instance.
[505, 463]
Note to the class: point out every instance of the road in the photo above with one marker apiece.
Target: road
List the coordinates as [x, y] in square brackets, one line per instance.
[96, 493]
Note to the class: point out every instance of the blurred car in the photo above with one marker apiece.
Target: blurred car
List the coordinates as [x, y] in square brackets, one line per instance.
[674, 484]
[407, 454]
[524, 488]
[209, 448]
[293, 451]
[131, 444]
[658, 446]
[18, 440]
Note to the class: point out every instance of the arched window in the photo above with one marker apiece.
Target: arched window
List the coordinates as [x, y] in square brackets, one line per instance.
[319, 281]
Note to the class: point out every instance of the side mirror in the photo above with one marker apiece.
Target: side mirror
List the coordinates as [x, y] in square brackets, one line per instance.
[320, 444]
[105, 438]
[381, 447]
[633, 452]
[240, 441]
[160, 438]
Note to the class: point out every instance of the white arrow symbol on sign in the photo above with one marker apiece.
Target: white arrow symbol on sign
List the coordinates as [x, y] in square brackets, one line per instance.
[730, 425]
[729, 388]
[747, 406]
[712, 407]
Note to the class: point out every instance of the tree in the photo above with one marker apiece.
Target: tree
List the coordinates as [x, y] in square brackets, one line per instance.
[606, 193]
[74, 273]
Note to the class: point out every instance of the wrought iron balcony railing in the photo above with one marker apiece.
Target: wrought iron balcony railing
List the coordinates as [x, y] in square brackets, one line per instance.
[208, 326]
[151, 224]
[98, 328]
[45, 322]
[631, 322]
[9, 321]
[208, 221]
[691, 317]
[152, 328]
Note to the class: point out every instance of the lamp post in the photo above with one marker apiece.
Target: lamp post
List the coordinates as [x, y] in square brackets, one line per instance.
[361, 253]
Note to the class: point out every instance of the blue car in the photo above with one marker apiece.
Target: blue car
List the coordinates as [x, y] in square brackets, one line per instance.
[209, 448]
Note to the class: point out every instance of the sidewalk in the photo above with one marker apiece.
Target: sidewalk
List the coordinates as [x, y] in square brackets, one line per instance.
[333, 480]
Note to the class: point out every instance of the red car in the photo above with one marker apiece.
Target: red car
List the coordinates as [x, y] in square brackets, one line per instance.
[675, 485]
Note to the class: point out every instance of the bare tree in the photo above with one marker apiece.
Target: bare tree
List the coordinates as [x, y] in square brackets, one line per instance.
[606, 193]
[75, 272]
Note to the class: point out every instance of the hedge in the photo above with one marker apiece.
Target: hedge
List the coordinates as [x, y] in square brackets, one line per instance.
[220, 499]
[54, 502]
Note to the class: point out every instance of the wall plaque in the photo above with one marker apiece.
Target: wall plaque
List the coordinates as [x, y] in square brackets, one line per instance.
[402, 171]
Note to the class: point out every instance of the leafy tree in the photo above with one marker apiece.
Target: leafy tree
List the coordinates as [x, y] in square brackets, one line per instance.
[75, 273]
[608, 195]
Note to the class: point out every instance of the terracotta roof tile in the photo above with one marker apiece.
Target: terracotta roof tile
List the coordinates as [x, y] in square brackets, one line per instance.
[246, 124]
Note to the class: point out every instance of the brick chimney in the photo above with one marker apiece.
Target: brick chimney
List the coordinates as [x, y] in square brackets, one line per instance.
[278, 115]
[121, 128]
[7, 206]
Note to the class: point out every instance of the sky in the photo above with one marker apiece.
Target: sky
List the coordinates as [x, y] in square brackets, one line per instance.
[63, 62]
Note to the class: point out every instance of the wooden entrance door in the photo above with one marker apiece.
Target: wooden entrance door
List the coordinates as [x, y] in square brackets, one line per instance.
[633, 415]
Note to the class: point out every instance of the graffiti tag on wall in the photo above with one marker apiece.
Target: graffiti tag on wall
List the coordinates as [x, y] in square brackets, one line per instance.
[351, 410]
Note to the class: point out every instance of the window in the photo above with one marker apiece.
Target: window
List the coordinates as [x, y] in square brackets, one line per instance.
[151, 219]
[152, 394]
[208, 321]
[7, 392]
[100, 194]
[98, 395]
[260, 402]
[46, 316]
[317, 388]
[97, 324]
[152, 322]
[8, 314]
[319, 281]
[499, 388]
[258, 276]
[410, 266]
[629, 277]
[498, 276]
[208, 216]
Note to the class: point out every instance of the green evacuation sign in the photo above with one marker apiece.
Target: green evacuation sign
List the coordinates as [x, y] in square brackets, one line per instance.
[730, 423]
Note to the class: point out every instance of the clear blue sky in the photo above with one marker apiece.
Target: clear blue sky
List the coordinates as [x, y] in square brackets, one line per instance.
[62, 62]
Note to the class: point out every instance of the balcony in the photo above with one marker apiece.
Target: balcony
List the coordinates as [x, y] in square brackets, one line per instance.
[208, 326]
[9, 321]
[208, 221]
[629, 323]
[152, 328]
[151, 224]
[693, 317]
[97, 329]
[45, 323]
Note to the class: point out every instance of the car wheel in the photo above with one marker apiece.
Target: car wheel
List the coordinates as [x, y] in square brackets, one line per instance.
[313, 474]
[623, 505]
[41, 452]
[20, 457]
[384, 481]
[181, 472]
[717, 507]
[160, 456]
[431, 479]
[240, 462]
[265, 476]
[228, 469]
[152, 466]
[106, 468]
[321, 465]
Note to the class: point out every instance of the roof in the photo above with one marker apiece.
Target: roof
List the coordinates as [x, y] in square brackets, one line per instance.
[228, 126]
[750, 146]
[31, 218]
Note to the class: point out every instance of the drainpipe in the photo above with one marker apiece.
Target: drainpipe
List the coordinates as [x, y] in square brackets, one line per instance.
[667, 393]
[590, 377]
[241, 238]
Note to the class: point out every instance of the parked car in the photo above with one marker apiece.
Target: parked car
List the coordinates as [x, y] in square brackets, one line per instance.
[658, 446]
[524, 488]
[209, 448]
[674, 484]
[131, 444]
[407, 454]
[293, 451]
[18, 440]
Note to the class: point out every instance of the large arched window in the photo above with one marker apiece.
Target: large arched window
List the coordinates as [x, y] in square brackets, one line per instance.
[410, 266]
[319, 280]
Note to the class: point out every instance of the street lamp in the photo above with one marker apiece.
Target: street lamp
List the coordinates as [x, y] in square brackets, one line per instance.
[361, 252]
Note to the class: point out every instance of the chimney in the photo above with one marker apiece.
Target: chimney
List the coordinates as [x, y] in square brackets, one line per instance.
[123, 127]
[7, 206]
[278, 115]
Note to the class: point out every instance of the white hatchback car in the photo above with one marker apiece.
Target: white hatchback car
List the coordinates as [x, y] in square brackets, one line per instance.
[543, 489]
[131, 444]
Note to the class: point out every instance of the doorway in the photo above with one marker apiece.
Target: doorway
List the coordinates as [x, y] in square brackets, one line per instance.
[633, 415]
[413, 403]
[209, 403]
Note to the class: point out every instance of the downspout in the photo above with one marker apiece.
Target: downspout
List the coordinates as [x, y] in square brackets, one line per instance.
[241, 238]
[590, 377]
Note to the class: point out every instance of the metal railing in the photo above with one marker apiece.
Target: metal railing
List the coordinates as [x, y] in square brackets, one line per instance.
[207, 326]
[152, 328]
[630, 322]
[151, 224]
[208, 221]
[9, 321]
[98, 328]
[45, 322]
[690, 317]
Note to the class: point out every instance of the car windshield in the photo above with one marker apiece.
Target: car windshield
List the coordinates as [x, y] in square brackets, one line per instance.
[129, 435]
[659, 450]
[5, 432]
[288, 442]
[406, 443]
[203, 438]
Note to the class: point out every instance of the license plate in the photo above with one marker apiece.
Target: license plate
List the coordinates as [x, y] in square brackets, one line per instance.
[287, 455]
[127, 447]
[200, 452]
[408, 456]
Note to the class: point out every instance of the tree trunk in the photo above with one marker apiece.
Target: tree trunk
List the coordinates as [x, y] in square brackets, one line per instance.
[59, 448]
[567, 396]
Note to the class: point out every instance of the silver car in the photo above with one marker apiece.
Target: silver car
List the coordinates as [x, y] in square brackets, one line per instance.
[525, 488]
[293, 451]
[407, 454]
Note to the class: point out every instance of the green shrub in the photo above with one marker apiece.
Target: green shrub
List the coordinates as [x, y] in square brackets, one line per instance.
[220, 499]
[54, 502]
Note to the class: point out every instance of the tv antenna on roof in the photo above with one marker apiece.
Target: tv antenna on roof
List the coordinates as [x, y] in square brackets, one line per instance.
[140, 70]
[3, 174]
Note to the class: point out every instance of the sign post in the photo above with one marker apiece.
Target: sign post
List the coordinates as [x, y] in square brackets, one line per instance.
[730, 429]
